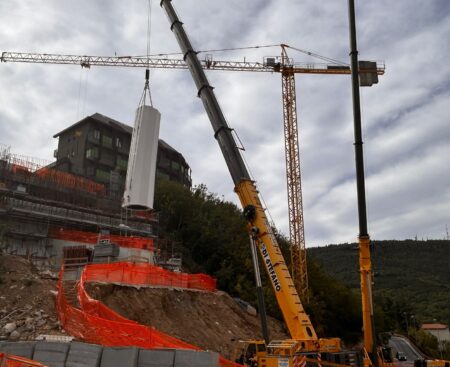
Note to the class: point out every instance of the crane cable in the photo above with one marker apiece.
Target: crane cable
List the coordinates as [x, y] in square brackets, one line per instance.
[212, 50]
[308, 53]
[312, 54]
[147, 70]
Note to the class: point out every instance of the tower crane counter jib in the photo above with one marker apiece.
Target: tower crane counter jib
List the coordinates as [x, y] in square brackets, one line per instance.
[296, 319]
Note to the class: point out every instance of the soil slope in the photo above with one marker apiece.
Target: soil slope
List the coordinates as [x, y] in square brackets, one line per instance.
[212, 321]
[27, 300]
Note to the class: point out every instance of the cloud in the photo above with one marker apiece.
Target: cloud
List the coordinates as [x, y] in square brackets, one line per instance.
[405, 116]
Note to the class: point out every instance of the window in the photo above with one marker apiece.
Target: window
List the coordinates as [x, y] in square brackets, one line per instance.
[107, 141]
[162, 176]
[122, 163]
[102, 175]
[92, 153]
[175, 165]
[164, 161]
[90, 171]
[97, 134]
[118, 143]
[107, 157]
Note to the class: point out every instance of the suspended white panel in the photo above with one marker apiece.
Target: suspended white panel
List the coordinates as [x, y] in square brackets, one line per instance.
[140, 182]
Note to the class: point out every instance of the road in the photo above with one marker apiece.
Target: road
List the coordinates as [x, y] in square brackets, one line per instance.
[401, 344]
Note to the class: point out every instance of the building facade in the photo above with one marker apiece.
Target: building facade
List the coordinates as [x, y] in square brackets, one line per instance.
[97, 148]
[440, 331]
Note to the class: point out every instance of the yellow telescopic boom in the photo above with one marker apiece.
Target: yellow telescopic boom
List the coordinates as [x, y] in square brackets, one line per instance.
[296, 319]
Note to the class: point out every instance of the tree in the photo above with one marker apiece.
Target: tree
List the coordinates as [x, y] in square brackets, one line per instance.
[215, 241]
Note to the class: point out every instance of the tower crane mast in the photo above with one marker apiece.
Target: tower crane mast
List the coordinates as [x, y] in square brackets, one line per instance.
[299, 268]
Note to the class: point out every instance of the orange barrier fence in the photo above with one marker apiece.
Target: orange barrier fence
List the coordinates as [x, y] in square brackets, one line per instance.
[146, 274]
[100, 330]
[96, 323]
[97, 308]
[92, 238]
[7, 360]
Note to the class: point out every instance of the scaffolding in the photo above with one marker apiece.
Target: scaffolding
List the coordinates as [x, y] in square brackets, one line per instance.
[36, 198]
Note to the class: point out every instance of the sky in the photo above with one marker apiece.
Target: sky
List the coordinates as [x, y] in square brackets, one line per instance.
[406, 116]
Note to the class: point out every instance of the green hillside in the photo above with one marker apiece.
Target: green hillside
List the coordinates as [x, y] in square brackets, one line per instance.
[411, 277]
[211, 236]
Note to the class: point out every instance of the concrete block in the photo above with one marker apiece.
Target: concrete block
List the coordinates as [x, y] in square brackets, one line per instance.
[21, 349]
[51, 354]
[189, 358]
[84, 355]
[156, 357]
[119, 357]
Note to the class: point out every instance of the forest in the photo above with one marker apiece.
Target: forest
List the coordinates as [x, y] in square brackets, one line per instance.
[211, 236]
[411, 278]
[411, 285]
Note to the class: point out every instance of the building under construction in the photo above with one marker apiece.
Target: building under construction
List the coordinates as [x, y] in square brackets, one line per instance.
[70, 210]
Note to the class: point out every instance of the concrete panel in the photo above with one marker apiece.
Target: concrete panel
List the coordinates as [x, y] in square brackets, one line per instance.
[21, 349]
[84, 355]
[51, 354]
[191, 358]
[140, 181]
[155, 357]
[119, 357]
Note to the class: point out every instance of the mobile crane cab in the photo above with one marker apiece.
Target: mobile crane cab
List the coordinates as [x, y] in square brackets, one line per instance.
[248, 352]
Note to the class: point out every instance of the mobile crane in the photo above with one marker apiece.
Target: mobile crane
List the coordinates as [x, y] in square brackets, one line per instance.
[305, 341]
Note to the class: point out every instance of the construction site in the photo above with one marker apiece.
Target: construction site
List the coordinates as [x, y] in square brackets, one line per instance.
[87, 279]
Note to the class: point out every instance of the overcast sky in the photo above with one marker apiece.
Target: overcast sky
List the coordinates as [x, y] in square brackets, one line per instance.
[406, 118]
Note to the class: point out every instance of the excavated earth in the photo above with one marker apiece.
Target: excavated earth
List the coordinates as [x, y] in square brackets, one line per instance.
[27, 300]
[211, 321]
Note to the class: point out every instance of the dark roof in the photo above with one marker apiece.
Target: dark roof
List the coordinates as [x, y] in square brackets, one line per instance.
[102, 119]
[117, 125]
[167, 146]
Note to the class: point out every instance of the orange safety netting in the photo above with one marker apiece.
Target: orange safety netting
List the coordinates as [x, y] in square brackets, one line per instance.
[17, 168]
[109, 330]
[96, 323]
[70, 180]
[147, 274]
[7, 360]
[92, 238]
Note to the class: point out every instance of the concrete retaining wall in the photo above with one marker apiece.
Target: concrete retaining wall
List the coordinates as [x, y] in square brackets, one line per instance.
[76, 354]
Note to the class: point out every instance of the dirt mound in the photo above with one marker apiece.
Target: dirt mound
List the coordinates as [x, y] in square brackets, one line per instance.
[27, 300]
[212, 321]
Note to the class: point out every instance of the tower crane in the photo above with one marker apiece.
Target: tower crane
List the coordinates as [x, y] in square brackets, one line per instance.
[283, 64]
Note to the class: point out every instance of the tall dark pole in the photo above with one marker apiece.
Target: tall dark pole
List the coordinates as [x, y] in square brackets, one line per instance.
[365, 263]
[359, 159]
